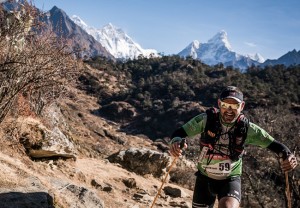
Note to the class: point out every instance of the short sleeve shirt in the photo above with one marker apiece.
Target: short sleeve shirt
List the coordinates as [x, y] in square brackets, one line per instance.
[222, 167]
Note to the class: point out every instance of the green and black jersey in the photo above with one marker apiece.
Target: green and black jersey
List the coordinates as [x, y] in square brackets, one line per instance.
[218, 165]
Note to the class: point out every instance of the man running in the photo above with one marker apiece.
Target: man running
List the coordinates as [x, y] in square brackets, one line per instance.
[224, 132]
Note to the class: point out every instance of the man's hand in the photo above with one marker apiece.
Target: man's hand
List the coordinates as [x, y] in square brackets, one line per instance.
[176, 148]
[289, 163]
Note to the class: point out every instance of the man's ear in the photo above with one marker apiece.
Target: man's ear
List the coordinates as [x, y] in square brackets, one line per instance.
[219, 103]
[243, 105]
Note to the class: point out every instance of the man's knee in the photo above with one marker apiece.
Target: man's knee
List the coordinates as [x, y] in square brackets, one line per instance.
[229, 202]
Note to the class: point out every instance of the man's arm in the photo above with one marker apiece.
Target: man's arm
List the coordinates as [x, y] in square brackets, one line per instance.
[179, 133]
[193, 127]
[280, 149]
[289, 161]
[258, 136]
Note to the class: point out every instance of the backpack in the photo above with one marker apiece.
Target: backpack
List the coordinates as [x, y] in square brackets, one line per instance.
[237, 134]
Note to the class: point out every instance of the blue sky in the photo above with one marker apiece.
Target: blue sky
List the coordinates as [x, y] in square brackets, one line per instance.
[268, 27]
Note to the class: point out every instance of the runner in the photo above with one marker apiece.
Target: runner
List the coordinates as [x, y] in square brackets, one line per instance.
[224, 132]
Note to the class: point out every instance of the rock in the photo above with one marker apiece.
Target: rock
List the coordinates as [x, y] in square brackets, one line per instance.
[32, 200]
[137, 196]
[96, 184]
[130, 182]
[161, 145]
[174, 192]
[145, 198]
[81, 197]
[107, 189]
[45, 142]
[114, 137]
[142, 161]
[73, 195]
[181, 204]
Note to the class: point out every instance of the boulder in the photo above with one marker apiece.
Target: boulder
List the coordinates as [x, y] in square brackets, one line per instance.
[73, 195]
[46, 139]
[142, 161]
[174, 192]
[41, 142]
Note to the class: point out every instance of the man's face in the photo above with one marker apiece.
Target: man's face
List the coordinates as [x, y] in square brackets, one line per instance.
[230, 109]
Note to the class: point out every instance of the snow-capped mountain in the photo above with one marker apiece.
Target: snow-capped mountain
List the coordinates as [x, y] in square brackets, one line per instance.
[256, 57]
[218, 50]
[115, 40]
[191, 50]
[59, 22]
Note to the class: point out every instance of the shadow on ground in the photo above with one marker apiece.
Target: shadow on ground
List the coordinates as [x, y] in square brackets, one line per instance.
[26, 200]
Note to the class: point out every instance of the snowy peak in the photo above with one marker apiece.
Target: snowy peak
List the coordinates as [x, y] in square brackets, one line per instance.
[220, 39]
[218, 50]
[115, 40]
[256, 57]
[79, 21]
[191, 49]
[195, 44]
[112, 32]
[111, 28]
[119, 43]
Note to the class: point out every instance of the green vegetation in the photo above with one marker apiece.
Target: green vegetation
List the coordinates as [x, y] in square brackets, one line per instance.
[166, 91]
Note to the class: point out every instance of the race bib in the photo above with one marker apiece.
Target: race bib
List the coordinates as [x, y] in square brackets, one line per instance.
[217, 169]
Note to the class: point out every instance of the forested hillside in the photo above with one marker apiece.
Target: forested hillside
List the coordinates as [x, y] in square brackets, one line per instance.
[171, 88]
[154, 96]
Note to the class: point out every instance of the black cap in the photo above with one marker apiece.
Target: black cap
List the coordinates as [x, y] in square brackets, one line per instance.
[232, 92]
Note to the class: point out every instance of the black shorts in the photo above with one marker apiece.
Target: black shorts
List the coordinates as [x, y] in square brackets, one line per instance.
[207, 189]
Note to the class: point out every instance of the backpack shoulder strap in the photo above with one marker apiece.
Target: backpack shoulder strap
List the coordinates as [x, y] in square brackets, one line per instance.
[212, 119]
[237, 140]
[242, 125]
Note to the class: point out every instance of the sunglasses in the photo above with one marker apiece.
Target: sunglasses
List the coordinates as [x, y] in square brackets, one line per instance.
[228, 105]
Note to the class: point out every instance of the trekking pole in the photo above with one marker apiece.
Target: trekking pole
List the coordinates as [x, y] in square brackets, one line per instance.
[287, 190]
[173, 162]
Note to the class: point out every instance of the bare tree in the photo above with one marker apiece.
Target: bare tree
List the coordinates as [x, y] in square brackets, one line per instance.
[33, 62]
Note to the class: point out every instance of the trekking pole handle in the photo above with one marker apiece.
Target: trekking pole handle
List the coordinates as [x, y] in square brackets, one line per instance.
[182, 143]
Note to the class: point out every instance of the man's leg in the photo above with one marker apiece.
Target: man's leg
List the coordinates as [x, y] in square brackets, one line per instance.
[202, 197]
[230, 193]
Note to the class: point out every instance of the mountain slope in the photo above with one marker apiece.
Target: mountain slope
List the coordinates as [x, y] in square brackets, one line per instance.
[60, 23]
[290, 58]
[87, 181]
[115, 40]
